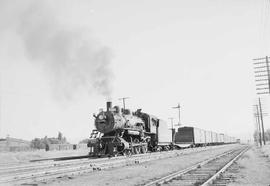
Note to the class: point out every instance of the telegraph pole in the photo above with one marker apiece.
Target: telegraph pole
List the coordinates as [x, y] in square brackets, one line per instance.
[124, 103]
[262, 79]
[257, 117]
[178, 107]
[261, 117]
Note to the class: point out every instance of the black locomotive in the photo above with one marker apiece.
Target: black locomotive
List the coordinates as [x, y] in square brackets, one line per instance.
[124, 132]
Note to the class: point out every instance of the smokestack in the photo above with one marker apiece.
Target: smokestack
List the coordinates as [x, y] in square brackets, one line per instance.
[109, 105]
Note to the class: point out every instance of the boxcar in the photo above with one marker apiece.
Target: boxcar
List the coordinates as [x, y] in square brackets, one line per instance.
[208, 138]
[219, 138]
[190, 135]
[164, 133]
[214, 137]
[222, 138]
[226, 139]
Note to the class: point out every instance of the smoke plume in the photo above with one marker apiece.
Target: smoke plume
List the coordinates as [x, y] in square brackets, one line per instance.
[70, 57]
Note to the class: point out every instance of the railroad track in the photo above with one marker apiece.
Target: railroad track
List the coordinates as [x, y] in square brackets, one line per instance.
[43, 171]
[203, 173]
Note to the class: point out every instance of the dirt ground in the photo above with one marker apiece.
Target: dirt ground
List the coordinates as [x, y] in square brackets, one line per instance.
[19, 157]
[141, 173]
[253, 168]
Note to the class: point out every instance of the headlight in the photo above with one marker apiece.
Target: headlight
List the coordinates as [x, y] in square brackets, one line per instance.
[101, 117]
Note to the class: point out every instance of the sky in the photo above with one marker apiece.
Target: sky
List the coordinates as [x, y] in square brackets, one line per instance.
[60, 61]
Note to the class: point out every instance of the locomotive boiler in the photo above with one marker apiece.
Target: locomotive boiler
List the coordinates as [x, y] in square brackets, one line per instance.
[124, 132]
[113, 120]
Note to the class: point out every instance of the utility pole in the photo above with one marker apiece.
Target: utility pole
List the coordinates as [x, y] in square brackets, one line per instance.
[173, 130]
[261, 117]
[257, 117]
[178, 107]
[124, 103]
[262, 79]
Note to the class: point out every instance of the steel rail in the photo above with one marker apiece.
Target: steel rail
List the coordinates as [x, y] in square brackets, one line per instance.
[223, 169]
[184, 171]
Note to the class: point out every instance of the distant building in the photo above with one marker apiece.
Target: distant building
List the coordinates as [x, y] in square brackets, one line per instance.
[13, 144]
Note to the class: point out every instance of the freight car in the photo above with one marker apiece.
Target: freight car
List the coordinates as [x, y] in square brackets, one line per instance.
[194, 137]
[122, 132]
[190, 135]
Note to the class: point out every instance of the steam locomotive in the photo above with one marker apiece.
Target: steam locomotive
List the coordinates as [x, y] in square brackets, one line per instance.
[124, 132]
